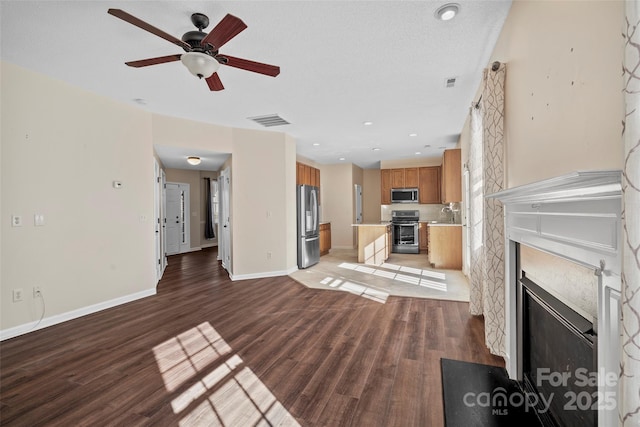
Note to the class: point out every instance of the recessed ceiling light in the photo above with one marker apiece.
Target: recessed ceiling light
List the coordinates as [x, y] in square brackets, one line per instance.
[413, 134]
[367, 123]
[447, 11]
[442, 148]
[341, 158]
[418, 153]
[427, 146]
[140, 101]
[315, 144]
[376, 149]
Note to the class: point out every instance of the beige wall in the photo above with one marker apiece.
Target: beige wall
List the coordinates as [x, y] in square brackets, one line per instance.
[371, 196]
[97, 247]
[563, 99]
[263, 178]
[411, 163]
[336, 182]
[62, 148]
[177, 132]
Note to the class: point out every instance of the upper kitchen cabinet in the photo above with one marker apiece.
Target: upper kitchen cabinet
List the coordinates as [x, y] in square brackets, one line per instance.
[385, 186]
[451, 176]
[411, 178]
[404, 177]
[425, 179]
[307, 175]
[429, 185]
[397, 178]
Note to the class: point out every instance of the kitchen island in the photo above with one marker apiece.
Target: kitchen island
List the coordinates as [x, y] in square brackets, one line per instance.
[445, 245]
[374, 243]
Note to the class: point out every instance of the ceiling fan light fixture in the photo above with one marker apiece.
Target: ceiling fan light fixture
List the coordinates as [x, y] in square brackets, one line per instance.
[193, 160]
[200, 64]
[447, 11]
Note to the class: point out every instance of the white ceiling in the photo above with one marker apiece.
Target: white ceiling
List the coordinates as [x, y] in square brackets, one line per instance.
[342, 63]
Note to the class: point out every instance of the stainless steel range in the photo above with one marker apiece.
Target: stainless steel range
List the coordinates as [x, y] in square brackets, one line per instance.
[404, 225]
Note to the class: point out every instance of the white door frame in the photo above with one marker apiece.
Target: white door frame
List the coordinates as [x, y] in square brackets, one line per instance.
[224, 243]
[157, 221]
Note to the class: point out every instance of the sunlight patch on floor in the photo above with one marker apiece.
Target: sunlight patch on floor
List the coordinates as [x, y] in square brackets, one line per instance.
[438, 286]
[348, 266]
[410, 275]
[229, 395]
[356, 289]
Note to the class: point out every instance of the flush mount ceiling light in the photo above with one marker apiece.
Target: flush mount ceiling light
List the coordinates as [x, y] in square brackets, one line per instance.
[200, 64]
[447, 12]
[193, 160]
[367, 123]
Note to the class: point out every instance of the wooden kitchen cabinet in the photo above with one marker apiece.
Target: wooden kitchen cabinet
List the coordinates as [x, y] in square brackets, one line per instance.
[423, 237]
[307, 175]
[429, 185]
[385, 186]
[397, 178]
[411, 178]
[445, 246]
[452, 176]
[325, 238]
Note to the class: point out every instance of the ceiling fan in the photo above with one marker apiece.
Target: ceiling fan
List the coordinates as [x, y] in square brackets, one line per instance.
[201, 55]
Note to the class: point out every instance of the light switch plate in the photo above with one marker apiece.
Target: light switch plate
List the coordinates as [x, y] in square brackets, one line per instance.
[38, 220]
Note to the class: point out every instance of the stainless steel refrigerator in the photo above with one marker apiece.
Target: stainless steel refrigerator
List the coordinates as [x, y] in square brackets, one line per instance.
[308, 226]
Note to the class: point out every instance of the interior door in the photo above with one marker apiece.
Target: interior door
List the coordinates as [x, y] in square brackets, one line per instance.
[177, 218]
[173, 223]
[358, 194]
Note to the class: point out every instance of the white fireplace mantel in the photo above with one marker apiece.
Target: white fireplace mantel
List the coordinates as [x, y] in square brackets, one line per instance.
[576, 217]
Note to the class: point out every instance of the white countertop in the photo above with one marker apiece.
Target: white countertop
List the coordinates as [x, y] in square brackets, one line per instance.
[371, 225]
[443, 224]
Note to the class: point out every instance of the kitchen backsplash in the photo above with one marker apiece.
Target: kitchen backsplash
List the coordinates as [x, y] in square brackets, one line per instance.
[427, 212]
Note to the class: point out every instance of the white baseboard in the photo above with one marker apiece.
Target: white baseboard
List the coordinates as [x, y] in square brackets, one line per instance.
[74, 314]
[235, 277]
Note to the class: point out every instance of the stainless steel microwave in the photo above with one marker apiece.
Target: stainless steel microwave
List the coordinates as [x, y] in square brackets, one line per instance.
[404, 195]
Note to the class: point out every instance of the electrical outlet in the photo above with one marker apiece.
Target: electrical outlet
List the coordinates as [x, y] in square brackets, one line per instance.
[268, 255]
[37, 293]
[16, 221]
[17, 294]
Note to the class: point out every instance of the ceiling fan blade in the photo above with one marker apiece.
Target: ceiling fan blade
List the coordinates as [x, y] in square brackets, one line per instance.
[153, 61]
[228, 28]
[214, 82]
[256, 67]
[118, 13]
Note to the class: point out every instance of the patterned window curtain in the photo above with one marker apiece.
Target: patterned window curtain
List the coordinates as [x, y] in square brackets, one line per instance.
[629, 384]
[486, 168]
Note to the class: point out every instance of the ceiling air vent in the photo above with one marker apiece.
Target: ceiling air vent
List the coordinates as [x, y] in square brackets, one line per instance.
[269, 120]
[450, 82]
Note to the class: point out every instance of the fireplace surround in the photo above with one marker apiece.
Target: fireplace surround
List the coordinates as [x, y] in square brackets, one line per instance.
[576, 217]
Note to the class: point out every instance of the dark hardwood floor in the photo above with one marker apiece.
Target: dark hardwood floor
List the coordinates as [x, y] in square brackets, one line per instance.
[208, 351]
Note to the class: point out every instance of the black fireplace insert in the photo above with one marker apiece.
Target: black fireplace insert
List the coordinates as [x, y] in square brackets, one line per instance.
[559, 362]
